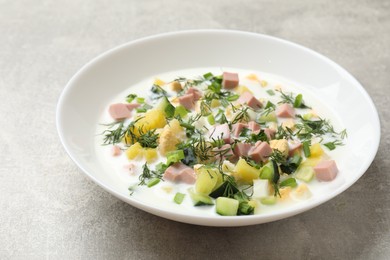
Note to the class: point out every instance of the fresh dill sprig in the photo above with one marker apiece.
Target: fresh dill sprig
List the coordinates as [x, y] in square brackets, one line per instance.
[113, 136]
[241, 116]
[158, 92]
[148, 174]
[148, 138]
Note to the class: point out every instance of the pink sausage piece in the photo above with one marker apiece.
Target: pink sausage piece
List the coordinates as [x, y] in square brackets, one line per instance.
[230, 80]
[221, 131]
[116, 151]
[187, 101]
[326, 170]
[224, 152]
[132, 106]
[254, 127]
[260, 152]
[285, 110]
[179, 172]
[270, 133]
[292, 148]
[242, 149]
[250, 100]
[196, 92]
[119, 111]
[237, 129]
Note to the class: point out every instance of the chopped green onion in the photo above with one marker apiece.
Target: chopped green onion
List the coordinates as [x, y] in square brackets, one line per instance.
[169, 110]
[233, 97]
[269, 105]
[141, 110]
[161, 167]
[140, 100]
[270, 200]
[153, 182]
[290, 182]
[306, 148]
[298, 101]
[211, 119]
[130, 98]
[179, 197]
[270, 92]
[331, 146]
[208, 75]
[175, 156]
[180, 111]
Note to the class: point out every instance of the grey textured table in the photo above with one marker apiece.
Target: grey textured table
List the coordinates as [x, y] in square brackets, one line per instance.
[50, 209]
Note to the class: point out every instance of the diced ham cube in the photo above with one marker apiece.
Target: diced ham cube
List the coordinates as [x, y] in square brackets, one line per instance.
[293, 147]
[237, 128]
[230, 80]
[130, 168]
[270, 133]
[242, 149]
[285, 110]
[254, 127]
[119, 111]
[260, 152]
[221, 132]
[223, 152]
[132, 106]
[326, 170]
[179, 172]
[116, 150]
[187, 101]
[196, 92]
[250, 100]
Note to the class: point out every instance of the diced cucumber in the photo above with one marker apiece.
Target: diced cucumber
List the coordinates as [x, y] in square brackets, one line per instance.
[226, 206]
[200, 199]
[267, 171]
[290, 182]
[179, 197]
[167, 107]
[270, 117]
[270, 200]
[208, 179]
[260, 188]
[181, 111]
[304, 173]
[219, 191]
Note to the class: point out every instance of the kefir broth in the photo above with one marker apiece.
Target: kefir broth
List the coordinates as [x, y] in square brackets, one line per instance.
[161, 195]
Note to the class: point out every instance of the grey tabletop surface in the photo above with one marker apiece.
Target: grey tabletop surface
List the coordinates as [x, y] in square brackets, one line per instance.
[50, 209]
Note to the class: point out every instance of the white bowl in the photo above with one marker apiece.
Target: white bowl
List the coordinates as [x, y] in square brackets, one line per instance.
[88, 92]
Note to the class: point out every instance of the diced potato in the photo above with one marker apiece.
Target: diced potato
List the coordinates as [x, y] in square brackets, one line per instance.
[134, 151]
[312, 161]
[215, 103]
[150, 154]
[207, 180]
[302, 192]
[285, 193]
[176, 86]
[289, 123]
[241, 89]
[158, 82]
[152, 119]
[227, 167]
[245, 173]
[263, 83]
[252, 77]
[316, 150]
[170, 136]
[281, 145]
